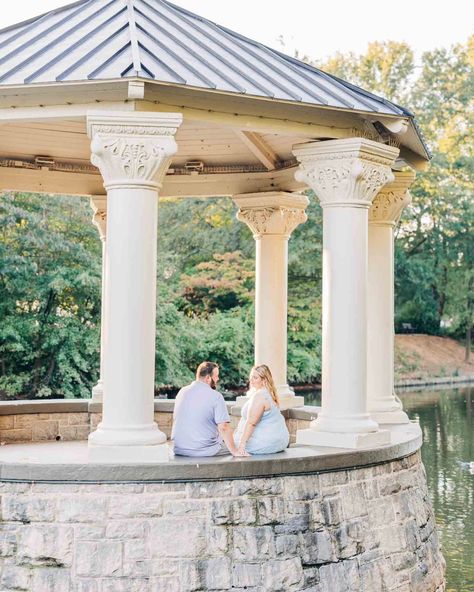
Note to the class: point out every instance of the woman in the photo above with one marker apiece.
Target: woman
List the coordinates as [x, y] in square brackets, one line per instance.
[262, 428]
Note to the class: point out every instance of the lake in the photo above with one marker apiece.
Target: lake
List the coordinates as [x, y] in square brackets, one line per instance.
[446, 420]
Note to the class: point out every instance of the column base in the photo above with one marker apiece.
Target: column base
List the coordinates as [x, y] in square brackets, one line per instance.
[98, 392]
[129, 454]
[352, 440]
[390, 417]
[124, 436]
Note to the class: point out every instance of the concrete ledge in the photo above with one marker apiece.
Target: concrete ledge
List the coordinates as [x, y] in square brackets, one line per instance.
[69, 461]
[46, 406]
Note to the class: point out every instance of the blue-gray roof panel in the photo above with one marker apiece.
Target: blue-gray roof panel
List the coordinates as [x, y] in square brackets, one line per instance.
[110, 39]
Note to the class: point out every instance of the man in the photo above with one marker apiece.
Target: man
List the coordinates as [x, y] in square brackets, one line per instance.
[201, 423]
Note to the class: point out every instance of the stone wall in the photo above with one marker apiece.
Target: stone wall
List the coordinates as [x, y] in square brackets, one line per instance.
[369, 530]
[29, 423]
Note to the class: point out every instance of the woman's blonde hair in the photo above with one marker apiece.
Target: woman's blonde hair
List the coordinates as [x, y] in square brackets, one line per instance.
[264, 372]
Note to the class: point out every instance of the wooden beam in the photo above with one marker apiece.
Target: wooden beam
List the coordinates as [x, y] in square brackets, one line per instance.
[260, 149]
[210, 185]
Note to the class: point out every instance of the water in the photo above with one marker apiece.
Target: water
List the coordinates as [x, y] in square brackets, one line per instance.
[446, 420]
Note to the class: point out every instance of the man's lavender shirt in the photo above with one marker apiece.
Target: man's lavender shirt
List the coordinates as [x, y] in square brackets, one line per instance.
[197, 411]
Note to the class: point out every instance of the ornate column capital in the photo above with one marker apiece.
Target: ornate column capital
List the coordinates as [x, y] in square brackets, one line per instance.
[271, 213]
[132, 149]
[98, 204]
[348, 172]
[388, 204]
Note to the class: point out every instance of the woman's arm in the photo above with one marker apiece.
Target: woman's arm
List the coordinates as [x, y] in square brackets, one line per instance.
[256, 410]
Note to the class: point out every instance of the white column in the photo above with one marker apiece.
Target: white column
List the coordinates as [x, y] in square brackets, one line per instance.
[272, 217]
[133, 153]
[383, 405]
[346, 175]
[99, 219]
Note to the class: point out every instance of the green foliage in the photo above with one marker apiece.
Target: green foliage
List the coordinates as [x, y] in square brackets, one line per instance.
[49, 296]
[50, 260]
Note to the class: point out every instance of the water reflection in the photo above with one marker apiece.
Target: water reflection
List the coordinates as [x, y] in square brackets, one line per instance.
[445, 418]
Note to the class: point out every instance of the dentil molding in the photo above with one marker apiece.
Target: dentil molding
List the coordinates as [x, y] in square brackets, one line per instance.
[132, 149]
[389, 203]
[348, 172]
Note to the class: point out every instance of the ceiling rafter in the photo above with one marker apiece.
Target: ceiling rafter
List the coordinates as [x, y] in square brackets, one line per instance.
[257, 145]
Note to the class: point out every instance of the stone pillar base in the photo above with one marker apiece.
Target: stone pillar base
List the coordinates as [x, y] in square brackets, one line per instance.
[129, 454]
[121, 436]
[390, 417]
[352, 440]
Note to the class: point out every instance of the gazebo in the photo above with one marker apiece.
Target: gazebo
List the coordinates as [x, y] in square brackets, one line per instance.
[166, 103]
[126, 101]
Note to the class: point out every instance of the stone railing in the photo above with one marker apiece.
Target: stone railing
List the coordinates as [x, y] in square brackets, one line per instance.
[59, 419]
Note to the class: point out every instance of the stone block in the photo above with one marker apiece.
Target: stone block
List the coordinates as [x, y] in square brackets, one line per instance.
[132, 584]
[138, 568]
[388, 485]
[8, 544]
[217, 574]
[135, 506]
[6, 422]
[280, 576]
[246, 575]
[47, 545]
[270, 510]
[380, 512]
[354, 503]
[253, 543]
[125, 529]
[392, 539]
[162, 584]
[287, 545]
[74, 433]
[316, 548]
[331, 480]
[189, 576]
[44, 430]
[234, 511]
[316, 518]
[332, 510]
[86, 585]
[51, 580]
[176, 507]
[89, 532]
[24, 508]
[86, 508]
[217, 540]
[178, 537]
[219, 489]
[342, 576]
[26, 421]
[136, 550]
[258, 487]
[78, 418]
[15, 577]
[373, 576]
[20, 435]
[99, 559]
[302, 488]
[296, 518]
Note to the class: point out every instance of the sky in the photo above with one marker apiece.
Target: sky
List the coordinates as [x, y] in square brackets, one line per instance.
[317, 28]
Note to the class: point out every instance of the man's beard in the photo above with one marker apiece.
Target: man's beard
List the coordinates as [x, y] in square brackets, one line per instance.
[213, 384]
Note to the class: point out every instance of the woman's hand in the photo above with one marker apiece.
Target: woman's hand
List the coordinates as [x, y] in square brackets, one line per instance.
[241, 451]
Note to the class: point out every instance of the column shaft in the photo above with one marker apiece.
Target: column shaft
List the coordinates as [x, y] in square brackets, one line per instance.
[271, 289]
[344, 321]
[129, 361]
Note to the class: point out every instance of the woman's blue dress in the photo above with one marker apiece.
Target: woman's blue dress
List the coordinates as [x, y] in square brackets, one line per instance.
[270, 434]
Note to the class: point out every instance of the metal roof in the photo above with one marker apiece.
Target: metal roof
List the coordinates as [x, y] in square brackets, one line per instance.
[154, 39]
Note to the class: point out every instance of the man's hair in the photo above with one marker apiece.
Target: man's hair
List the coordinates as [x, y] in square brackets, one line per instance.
[205, 369]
